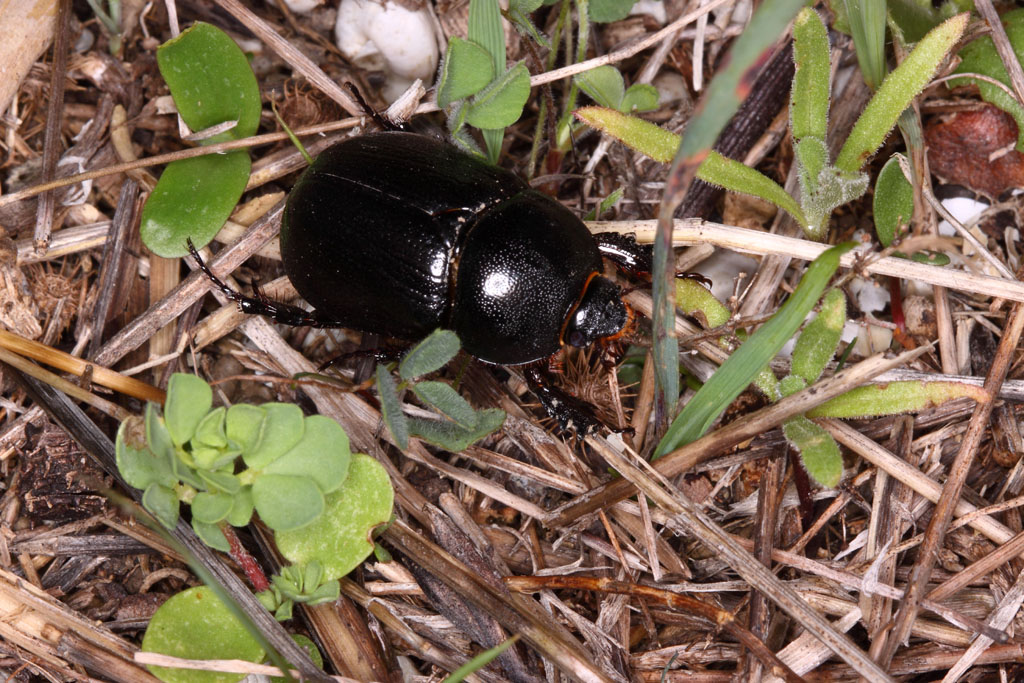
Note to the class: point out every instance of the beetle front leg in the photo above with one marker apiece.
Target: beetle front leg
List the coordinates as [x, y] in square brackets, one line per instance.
[636, 259]
[282, 313]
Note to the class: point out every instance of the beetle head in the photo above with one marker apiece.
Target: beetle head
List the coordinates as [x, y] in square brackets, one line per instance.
[601, 313]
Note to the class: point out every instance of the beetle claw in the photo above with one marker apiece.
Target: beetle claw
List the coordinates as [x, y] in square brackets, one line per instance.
[573, 415]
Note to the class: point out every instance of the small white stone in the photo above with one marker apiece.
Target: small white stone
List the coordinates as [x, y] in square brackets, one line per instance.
[384, 36]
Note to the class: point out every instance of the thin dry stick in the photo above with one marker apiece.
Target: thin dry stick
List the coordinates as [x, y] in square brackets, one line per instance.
[695, 231]
[760, 577]
[54, 117]
[928, 551]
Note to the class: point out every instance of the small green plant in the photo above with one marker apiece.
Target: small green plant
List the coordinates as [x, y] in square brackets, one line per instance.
[289, 462]
[322, 502]
[824, 184]
[461, 424]
[606, 86]
[475, 88]
[215, 91]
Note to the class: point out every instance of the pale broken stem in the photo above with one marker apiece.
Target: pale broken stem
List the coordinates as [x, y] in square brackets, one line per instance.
[695, 231]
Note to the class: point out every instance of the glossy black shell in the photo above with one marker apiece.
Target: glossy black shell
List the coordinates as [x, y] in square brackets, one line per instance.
[398, 234]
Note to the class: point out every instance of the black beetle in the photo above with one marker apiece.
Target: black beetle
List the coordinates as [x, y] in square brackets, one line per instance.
[399, 234]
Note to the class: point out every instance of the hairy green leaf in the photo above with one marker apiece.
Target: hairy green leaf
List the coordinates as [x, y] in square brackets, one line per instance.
[818, 450]
[808, 108]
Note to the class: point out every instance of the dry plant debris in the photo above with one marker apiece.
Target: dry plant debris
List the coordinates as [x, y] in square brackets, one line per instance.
[491, 542]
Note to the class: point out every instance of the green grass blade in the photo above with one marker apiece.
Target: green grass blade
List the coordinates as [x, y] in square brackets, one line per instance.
[867, 25]
[744, 365]
[724, 95]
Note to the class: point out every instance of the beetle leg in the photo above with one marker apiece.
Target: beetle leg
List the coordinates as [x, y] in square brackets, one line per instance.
[636, 259]
[381, 120]
[282, 313]
[571, 413]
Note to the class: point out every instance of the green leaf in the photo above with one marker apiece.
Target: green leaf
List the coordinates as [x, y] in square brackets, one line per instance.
[211, 81]
[162, 503]
[738, 177]
[210, 431]
[867, 26]
[808, 108]
[322, 455]
[820, 338]
[341, 537]
[897, 91]
[241, 507]
[640, 97]
[447, 401]
[430, 355]
[136, 463]
[391, 407]
[895, 398]
[157, 437]
[604, 85]
[727, 89]
[739, 370]
[643, 136]
[195, 624]
[453, 437]
[893, 202]
[466, 69]
[192, 200]
[286, 502]
[282, 428]
[211, 535]
[524, 6]
[818, 450]
[189, 399]
[225, 482]
[980, 56]
[211, 508]
[243, 425]
[607, 11]
[790, 384]
[501, 103]
[812, 160]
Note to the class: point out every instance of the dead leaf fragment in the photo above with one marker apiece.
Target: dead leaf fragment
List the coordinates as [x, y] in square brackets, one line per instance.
[975, 149]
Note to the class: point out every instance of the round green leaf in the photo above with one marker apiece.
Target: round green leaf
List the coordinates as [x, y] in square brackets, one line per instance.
[282, 428]
[210, 431]
[640, 97]
[195, 624]
[211, 535]
[189, 399]
[322, 455]
[501, 103]
[211, 508]
[158, 439]
[241, 507]
[243, 425]
[192, 200]
[466, 69]
[340, 538]
[287, 502]
[211, 81]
